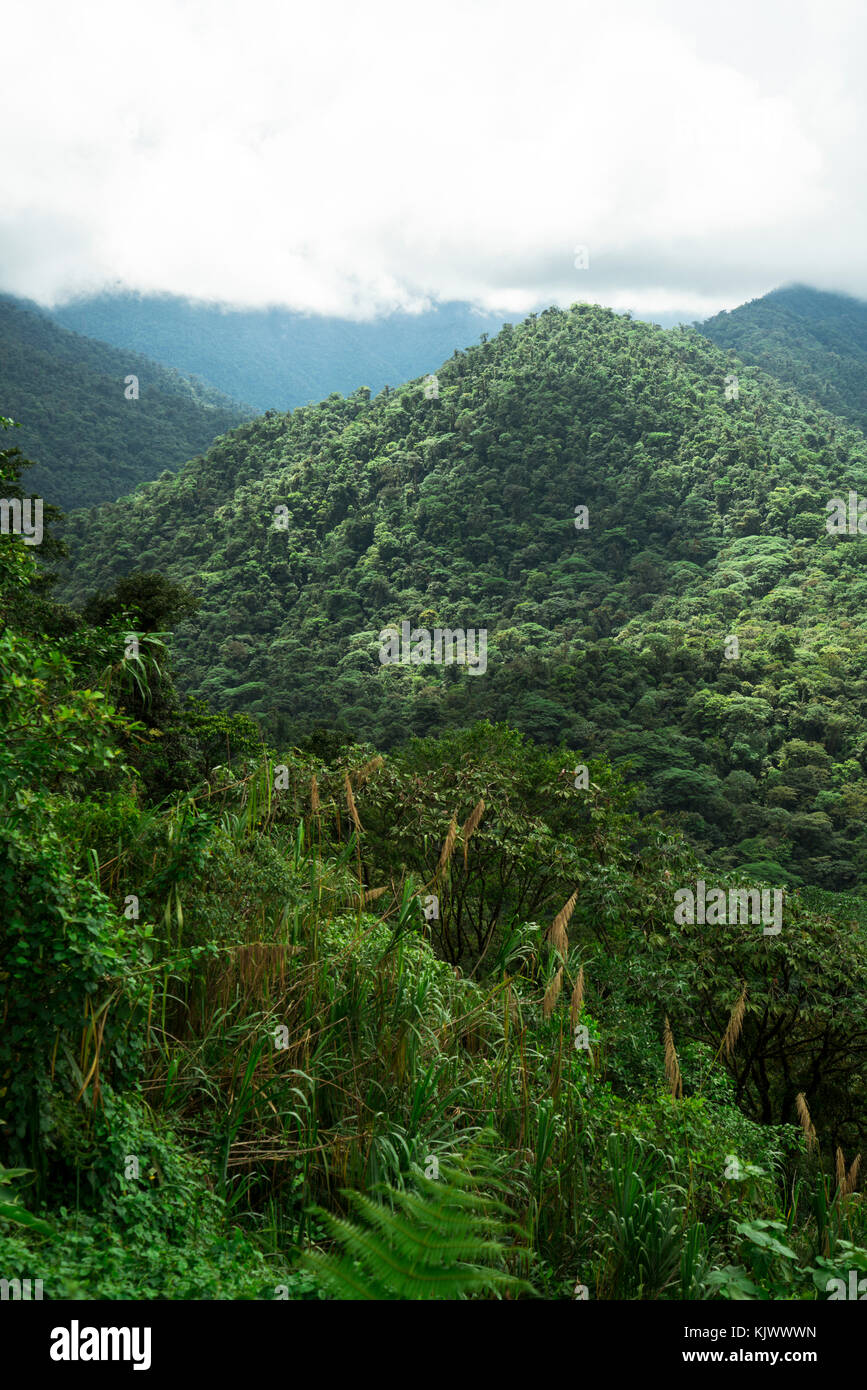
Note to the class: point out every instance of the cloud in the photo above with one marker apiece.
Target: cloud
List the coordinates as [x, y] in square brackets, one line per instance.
[352, 159]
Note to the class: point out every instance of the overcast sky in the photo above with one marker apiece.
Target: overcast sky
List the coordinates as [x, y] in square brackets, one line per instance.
[353, 156]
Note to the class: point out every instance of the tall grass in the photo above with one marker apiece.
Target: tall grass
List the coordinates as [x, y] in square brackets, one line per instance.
[306, 1040]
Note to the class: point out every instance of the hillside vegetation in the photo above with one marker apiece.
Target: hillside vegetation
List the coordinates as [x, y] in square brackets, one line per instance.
[286, 1022]
[93, 443]
[703, 627]
[809, 339]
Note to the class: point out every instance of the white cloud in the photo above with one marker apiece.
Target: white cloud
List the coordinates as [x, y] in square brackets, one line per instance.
[351, 158]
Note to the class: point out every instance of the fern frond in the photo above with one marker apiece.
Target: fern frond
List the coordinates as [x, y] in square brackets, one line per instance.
[444, 1238]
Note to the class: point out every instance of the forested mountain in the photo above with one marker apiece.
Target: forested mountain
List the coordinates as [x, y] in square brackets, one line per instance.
[814, 341]
[94, 440]
[277, 358]
[285, 1023]
[703, 625]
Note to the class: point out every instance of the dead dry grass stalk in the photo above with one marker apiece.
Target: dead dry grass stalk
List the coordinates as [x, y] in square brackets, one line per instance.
[806, 1122]
[557, 933]
[672, 1066]
[735, 1023]
[350, 801]
[362, 774]
[448, 848]
[846, 1182]
[471, 824]
[552, 994]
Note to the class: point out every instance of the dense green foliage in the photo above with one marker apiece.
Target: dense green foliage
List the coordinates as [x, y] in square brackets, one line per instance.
[67, 393]
[277, 358]
[814, 341]
[706, 521]
[445, 1240]
[245, 1056]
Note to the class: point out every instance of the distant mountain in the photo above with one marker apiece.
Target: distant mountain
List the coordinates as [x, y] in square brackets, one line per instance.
[91, 443]
[276, 358]
[699, 620]
[814, 341]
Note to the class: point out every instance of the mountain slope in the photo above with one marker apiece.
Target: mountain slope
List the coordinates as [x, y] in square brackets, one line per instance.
[276, 358]
[591, 1049]
[706, 522]
[811, 340]
[91, 442]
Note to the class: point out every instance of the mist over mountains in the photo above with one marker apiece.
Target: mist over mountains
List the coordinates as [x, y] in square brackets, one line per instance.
[64, 389]
[276, 358]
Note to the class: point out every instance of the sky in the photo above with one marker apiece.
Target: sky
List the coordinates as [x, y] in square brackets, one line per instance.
[670, 158]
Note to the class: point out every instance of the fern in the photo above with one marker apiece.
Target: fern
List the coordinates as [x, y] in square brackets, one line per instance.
[444, 1239]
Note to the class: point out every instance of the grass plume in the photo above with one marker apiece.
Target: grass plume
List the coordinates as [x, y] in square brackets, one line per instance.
[672, 1066]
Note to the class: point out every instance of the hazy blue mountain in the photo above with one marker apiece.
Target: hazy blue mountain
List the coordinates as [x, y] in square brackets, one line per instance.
[277, 358]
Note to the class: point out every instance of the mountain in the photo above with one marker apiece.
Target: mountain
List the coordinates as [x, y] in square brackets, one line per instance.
[420, 1024]
[814, 341]
[276, 358]
[703, 626]
[69, 394]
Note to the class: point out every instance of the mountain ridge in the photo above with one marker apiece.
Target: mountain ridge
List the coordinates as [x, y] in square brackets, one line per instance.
[277, 358]
[706, 519]
[811, 339]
